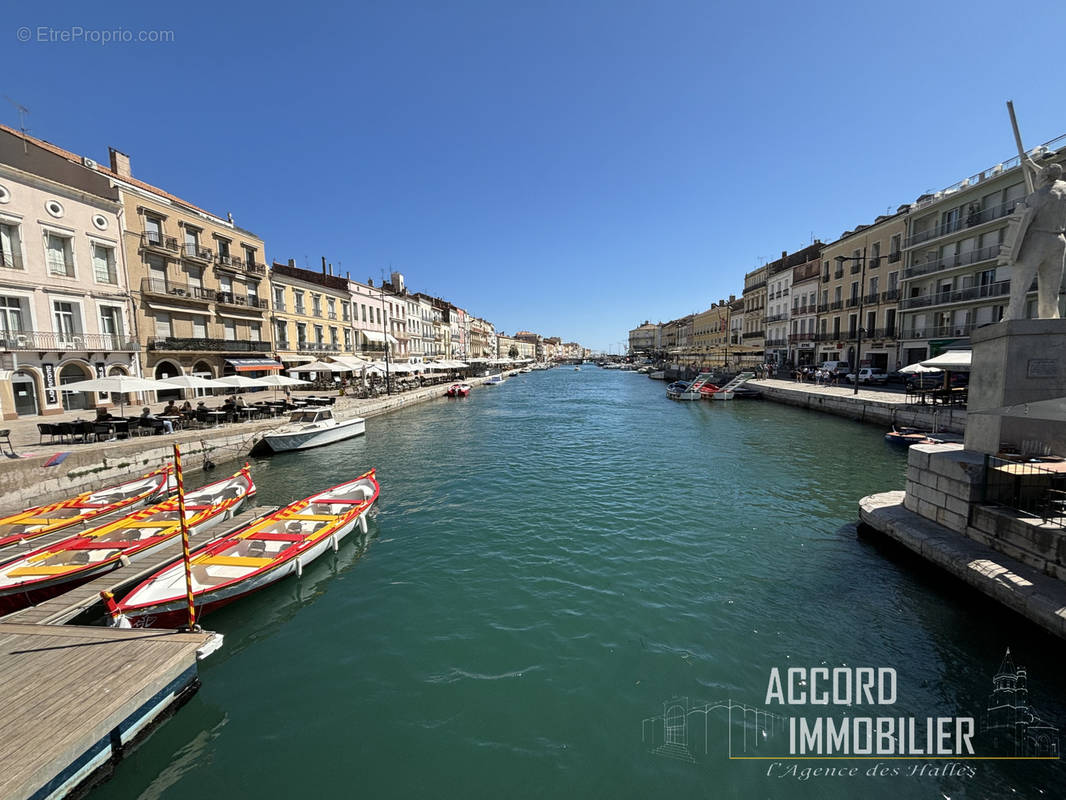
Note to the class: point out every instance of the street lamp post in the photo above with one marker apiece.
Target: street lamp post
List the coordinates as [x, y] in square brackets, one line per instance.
[385, 338]
[858, 326]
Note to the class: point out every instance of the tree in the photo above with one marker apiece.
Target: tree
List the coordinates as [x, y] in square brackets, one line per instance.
[512, 353]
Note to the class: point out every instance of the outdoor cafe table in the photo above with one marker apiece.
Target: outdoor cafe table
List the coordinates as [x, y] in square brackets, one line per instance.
[174, 419]
[217, 415]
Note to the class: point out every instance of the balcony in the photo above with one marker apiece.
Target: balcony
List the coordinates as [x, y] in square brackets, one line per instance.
[230, 299]
[998, 289]
[80, 342]
[754, 334]
[950, 262]
[196, 252]
[953, 226]
[823, 307]
[839, 273]
[777, 317]
[776, 343]
[165, 288]
[836, 305]
[880, 333]
[300, 310]
[802, 337]
[891, 296]
[939, 332]
[852, 302]
[151, 240]
[894, 257]
[855, 268]
[331, 315]
[207, 345]
[231, 262]
[316, 347]
[825, 277]
[871, 299]
[279, 305]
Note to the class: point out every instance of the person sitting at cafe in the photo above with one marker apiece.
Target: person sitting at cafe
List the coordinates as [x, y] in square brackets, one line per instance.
[240, 402]
[147, 420]
[230, 407]
[171, 409]
[103, 415]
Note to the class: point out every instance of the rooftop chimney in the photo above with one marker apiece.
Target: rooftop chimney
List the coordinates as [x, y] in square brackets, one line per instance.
[120, 163]
[331, 268]
[784, 254]
[292, 263]
[323, 265]
[370, 282]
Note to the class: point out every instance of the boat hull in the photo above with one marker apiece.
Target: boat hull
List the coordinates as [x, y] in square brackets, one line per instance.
[174, 613]
[17, 598]
[304, 440]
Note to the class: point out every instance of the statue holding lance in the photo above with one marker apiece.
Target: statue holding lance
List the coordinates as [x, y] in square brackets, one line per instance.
[1036, 245]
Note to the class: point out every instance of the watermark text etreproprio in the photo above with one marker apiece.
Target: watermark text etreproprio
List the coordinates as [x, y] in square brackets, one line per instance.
[77, 34]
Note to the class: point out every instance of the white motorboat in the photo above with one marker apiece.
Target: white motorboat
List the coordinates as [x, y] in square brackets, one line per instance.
[313, 428]
[494, 380]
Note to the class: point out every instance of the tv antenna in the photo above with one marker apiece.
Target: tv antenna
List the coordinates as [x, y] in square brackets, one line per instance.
[23, 111]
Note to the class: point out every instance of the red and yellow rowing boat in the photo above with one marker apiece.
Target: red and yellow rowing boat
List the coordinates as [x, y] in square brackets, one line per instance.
[52, 570]
[38, 521]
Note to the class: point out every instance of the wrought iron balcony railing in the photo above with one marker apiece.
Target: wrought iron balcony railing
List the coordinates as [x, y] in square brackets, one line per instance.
[80, 342]
[182, 343]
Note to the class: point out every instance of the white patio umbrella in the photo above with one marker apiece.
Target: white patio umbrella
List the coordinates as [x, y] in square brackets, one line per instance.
[952, 361]
[319, 366]
[280, 380]
[238, 382]
[116, 384]
[191, 382]
[913, 369]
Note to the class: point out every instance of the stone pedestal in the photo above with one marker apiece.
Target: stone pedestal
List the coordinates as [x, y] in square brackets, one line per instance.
[1013, 363]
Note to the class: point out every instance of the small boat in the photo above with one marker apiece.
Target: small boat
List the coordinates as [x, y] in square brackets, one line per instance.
[458, 390]
[495, 380]
[313, 428]
[657, 375]
[577, 369]
[707, 390]
[57, 568]
[272, 547]
[82, 508]
[905, 437]
[690, 391]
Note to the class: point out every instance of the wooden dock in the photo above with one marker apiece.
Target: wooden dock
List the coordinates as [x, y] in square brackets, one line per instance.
[67, 606]
[73, 697]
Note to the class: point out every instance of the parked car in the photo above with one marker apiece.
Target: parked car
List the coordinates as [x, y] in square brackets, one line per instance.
[868, 375]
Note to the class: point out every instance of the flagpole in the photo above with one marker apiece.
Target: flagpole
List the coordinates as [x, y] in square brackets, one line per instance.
[184, 539]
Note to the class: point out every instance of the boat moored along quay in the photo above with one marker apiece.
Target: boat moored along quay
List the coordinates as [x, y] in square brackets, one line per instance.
[280, 544]
[56, 568]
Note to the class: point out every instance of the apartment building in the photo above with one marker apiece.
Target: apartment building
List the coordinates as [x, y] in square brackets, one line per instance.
[311, 313]
[65, 311]
[710, 334]
[862, 292]
[642, 339]
[396, 309]
[803, 316]
[754, 330]
[482, 338]
[954, 276]
[376, 313]
[534, 339]
[735, 354]
[778, 288]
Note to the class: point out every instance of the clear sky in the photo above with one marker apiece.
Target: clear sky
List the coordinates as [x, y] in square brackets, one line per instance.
[571, 168]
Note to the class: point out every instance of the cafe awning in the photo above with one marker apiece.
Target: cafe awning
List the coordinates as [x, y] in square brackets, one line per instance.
[951, 361]
[253, 364]
[378, 336]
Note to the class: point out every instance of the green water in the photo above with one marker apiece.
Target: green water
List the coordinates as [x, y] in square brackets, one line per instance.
[554, 559]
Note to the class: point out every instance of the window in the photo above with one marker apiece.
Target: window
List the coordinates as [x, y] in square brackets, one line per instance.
[279, 298]
[281, 333]
[318, 334]
[59, 254]
[153, 230]
[890, 322]
[195, 275]
[299, 301]
[104, 264]
[316, 304]
[331, 305]
[893, 281]
[10, 246]
[162, 325]
[894, 243]
[68, 320]
[875, 253]
[871, 322]
[192, 241]
[836, 294]
[255, 331]
[873, 285]
[301, 333]
[249, 255]
[199, 327]
[225, 288]
[333, 337]
[346, 313]
[362, 306]
[379, 316]
[229, 330]
[347, 339]
[11, 315]
[253, 293]
[111, 323]
[854, 290]
[223, 250]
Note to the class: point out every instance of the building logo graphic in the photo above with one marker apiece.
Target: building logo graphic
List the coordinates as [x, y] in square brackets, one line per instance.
[850, 714]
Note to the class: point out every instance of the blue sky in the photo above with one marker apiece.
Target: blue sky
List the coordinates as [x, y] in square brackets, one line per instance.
[571, 168]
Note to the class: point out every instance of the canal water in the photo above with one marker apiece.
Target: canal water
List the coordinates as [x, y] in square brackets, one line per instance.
[559, 564]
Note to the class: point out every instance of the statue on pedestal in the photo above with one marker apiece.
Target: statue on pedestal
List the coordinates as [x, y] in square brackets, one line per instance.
[1038, 248]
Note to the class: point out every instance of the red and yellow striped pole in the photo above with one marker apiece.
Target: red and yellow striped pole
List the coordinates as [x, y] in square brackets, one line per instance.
[184, 537]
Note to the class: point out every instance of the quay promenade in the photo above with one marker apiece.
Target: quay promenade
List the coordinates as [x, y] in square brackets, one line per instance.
[878, 406]
[25, 480]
